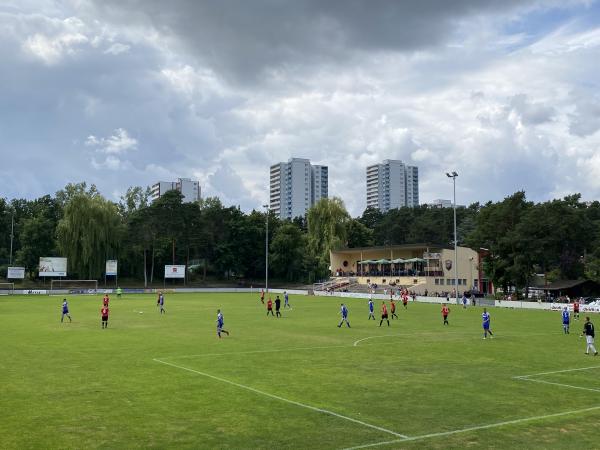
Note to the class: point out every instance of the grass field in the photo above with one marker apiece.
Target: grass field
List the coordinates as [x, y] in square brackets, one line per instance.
[295, 382]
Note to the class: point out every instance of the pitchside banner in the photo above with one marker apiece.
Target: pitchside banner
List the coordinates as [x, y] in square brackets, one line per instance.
[174, 271]
[111, 267]
[53, 267]
[15, 273]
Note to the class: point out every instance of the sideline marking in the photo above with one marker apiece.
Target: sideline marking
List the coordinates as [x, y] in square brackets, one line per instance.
[276, 397]
[476, 428]
[560, 384]
[557, 371]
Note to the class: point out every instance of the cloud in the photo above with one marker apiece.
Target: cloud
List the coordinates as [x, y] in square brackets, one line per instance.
[119, 142]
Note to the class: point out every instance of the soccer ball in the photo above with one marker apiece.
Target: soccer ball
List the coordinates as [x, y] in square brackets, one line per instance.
[141, 312]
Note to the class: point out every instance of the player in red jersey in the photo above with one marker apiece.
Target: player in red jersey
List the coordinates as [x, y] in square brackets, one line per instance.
[445, 312]
[393, 309]
[270, 307]
[576, 309]
[105, 300]
[262, 296]
[405, 299]
[104, 313]
[384, 314]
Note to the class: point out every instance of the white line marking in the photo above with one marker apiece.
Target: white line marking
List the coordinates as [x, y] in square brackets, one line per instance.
[560, 384]
[256, 351]
[557, 371]
[375, 337]
[292, 402]
[480, 427]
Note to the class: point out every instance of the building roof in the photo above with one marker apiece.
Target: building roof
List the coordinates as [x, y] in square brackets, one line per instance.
[394, 247]
[564, 284]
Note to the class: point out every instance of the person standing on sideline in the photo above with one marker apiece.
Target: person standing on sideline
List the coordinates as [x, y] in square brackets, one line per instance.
[65, 311]
[384, 314]
[161, 302]
[576, 309]
[371, 312]
[119, 292]
[104, 313]
[566, 319]
[393, 309]
[220, 324]
[277, 306]
[344, 314]
[445, 312]
[588, 330]
[270, 307]
[486, 324]
[286, 300]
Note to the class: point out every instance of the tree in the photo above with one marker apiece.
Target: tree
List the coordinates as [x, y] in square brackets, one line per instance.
[327, 221]
[287, 252]
[88, 233]
[358, 234]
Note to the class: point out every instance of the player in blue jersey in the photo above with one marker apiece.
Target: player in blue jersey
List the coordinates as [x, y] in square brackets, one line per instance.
[220, 324]
[65, 311]
[286, 300]
[371, 310]
[566, 319]
[344, 314]
[161, 303]
[486, 324]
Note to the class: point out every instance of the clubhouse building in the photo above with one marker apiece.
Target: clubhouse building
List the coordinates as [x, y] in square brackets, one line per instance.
[419, 267]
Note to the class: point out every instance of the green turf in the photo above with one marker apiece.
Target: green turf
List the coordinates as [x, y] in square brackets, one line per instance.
[74, 385]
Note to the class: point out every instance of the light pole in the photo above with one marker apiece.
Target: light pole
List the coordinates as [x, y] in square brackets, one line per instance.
[12, 235]
[453, 175]
[266, 248]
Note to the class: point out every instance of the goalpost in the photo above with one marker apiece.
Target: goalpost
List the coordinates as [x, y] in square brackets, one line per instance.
[74, 286]
[7, 288]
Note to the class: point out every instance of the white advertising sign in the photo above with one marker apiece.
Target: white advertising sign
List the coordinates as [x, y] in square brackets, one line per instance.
[15, 273]
[53, 267]
[111, 267]
[175, 271]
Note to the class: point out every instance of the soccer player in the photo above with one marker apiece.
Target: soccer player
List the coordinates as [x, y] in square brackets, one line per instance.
[576, 309]
[371, 307]
[277, 306]
[393, 308]
[445, 312]
[384, 314]
[588, 330]
[104, 313]
[566, 319]
[344, 314]
[262, 296]
[105, 300]
[286, 300]
[65, 310]
[405, 299]
[119, 292]
[220, 323]
[161, 302]
[464, 301]
[486, 324]
[270, 307]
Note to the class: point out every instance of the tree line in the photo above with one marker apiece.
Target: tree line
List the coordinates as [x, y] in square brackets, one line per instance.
[517, 237]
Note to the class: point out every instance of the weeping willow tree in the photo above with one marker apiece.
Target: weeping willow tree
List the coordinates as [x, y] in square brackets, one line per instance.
[327, 221]
[88, 234]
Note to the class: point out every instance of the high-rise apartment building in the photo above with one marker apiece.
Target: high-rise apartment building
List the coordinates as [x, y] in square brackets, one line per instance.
[392, 184]
[188, 188]
[295, 186]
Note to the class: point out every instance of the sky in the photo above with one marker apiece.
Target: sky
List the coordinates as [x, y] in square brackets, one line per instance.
[122, 93]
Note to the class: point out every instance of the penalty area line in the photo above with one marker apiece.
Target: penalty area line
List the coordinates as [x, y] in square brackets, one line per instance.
[276, 397]
[477, 428]
[557, 371]
[552, 383]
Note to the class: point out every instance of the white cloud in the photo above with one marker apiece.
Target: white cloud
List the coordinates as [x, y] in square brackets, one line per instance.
[117, 48]
[119, 142]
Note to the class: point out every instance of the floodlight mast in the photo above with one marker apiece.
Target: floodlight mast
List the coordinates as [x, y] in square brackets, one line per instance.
[266, 248]
[453, 175]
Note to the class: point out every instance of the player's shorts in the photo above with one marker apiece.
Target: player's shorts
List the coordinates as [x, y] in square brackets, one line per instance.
[384, 316]
[65, 313]
[104, 318]
[589, 339]
[445, 316]
[486, 327]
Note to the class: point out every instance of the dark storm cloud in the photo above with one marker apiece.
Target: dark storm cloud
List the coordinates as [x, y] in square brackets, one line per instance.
[248, 41]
